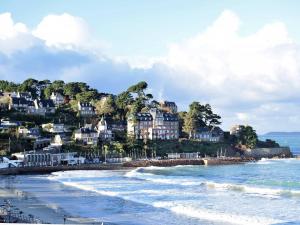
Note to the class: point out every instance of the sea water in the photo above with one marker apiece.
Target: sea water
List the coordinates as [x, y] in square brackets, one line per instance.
[291, 139]
[265, 192]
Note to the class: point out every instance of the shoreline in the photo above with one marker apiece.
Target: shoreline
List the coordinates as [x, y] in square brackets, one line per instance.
[130, 165]
[24, 205]
[127, 165]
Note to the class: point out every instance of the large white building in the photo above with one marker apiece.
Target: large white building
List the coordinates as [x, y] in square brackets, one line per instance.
[153, 125]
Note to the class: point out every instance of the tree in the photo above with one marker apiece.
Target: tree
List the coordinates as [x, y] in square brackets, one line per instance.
[106, 107]
[48, 91]
[123, 101]
[181, 117]
[8, 86]
[247, 136]
[86, 96]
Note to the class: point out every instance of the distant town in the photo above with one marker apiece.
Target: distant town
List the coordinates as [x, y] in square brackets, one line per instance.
[46, 123]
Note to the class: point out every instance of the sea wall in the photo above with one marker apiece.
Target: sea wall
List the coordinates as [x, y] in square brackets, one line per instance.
[164, 163]
[283, 152]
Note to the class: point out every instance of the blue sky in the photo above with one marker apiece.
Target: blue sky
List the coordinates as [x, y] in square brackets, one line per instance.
[131, 26]
[240, 56]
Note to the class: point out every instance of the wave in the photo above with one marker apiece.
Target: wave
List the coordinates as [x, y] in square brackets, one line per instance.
[141, 174]
[210, 215]
[269, 192]
[184, 181]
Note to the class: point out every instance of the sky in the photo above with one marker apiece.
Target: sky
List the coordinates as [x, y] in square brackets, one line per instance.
[242, 57]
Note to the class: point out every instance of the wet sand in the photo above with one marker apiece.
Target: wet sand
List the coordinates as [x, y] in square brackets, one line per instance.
[46, 213]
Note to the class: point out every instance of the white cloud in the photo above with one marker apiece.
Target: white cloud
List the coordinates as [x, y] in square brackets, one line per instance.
[62, 30]
[13, 36]
[253, 78]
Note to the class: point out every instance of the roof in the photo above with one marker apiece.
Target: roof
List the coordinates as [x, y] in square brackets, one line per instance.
[25, 94]
[85, 104]
[170, 117]
[47, 103]
[84, 131]
[19, 101]
[169, 104]
[203, 130]
[144, 117]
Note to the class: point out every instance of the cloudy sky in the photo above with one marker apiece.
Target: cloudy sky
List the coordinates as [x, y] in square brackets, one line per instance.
[241, 57]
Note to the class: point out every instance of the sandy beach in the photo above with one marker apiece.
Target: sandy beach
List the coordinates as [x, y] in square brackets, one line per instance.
[43, 213]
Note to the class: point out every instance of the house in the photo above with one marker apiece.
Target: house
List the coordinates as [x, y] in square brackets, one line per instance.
[26, 95]
[206, 134]
[41, 142]
[19, 104]
[154, 125]
[57, 98]
[29, 132]
[45, 106]
[85, 109]
[118, 126]
[58, 140]
[103, 132]
[87, 136]
[167, 106]
[8, 123]
[54, 127]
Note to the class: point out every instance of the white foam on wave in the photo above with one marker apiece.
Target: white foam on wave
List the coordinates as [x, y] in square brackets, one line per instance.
[209, 215]
[176, 180]
[267, 192]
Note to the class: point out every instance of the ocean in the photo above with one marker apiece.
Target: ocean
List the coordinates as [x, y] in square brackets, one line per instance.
[258, 193]
[291, 139]
[265, 192]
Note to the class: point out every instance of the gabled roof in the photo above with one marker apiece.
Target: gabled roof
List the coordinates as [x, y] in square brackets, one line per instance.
[19, 101]
[25, 94]
[144, 117]
[85, 131]
[169, 104]
[47, 103]
[85, 104]
[170, 117]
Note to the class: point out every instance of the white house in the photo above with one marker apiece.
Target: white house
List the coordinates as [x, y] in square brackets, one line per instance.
[87, 136]
[103, 132]
[44, 106]
[57, 98]
[85, 109]
[54, 127]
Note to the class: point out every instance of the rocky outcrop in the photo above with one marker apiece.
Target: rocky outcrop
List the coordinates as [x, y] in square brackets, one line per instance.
[282, 152]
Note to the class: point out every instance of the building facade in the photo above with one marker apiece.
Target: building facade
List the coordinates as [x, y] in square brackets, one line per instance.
[85, 109]
[154, 125]
[104, 133]
[57, 98]
[86, 136]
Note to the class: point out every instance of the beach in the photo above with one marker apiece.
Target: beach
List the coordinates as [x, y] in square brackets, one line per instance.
[260, 192]
[37, 211]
